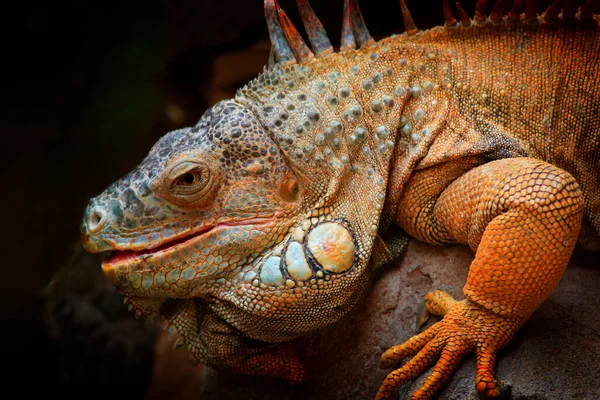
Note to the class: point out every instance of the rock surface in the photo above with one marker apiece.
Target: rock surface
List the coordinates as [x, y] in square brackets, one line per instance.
[556, 355]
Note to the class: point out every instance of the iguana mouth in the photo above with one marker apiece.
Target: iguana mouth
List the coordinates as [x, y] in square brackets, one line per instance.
[120, 257]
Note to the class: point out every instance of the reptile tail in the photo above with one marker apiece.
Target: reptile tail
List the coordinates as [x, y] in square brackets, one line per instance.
[288, 47]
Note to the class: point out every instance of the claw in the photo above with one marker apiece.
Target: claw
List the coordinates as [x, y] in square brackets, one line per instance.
[422, 315]
[505, 390]
[485, 383]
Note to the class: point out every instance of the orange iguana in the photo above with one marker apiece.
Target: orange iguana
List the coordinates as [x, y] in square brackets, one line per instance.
[264, 222]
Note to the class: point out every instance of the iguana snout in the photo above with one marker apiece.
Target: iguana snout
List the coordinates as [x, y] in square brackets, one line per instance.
[201, 206]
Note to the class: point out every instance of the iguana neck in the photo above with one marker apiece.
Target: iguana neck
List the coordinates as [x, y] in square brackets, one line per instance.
[355, 117]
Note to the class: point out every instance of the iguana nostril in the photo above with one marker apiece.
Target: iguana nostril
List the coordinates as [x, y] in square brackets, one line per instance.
[95, 221]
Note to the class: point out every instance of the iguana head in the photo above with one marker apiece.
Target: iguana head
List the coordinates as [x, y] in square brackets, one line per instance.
[200, 207]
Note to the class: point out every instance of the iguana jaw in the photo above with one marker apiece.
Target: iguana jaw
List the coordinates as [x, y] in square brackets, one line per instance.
[125, 257]
[177, 250]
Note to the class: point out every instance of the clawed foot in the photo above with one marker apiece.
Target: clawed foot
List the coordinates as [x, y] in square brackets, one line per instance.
[466, 327]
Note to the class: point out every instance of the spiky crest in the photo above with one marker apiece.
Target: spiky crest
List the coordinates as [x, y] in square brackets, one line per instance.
[316, 33]
[282, 52]
[587, 11]
[299, 48]
[480, 14]
[409, 24]
[497, 12]
[531, 15]
[449, 19]
[288, 47]
[359, 28]
[550, 16]
[347, 42]
[514, 15]
[464, 18]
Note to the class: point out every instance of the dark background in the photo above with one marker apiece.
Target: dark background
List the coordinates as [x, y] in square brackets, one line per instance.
[88, 88]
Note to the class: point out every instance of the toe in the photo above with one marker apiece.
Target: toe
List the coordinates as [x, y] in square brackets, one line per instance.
[439, 303]
[440, 374]
[425, 358]
[394, 355]
[485, 382]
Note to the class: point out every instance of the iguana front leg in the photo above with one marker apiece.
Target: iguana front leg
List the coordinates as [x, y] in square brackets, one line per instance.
[523, 217]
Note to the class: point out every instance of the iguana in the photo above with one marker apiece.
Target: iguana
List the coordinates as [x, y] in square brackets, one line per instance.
[264, 221]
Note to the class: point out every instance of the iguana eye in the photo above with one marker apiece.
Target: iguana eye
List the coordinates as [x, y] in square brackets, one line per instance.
[189, 178]
[187, 182]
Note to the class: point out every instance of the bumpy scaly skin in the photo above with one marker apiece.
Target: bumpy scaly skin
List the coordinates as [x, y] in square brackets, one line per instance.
[263, 223]
[466, 327]
[522, 216]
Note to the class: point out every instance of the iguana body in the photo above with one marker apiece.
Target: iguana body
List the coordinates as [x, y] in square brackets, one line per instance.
[264, 222]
